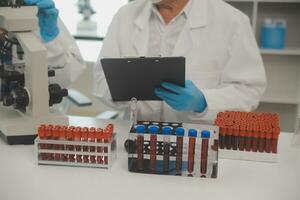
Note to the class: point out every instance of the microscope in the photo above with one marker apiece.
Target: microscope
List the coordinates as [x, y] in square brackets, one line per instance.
[26, 96]
[86, 27]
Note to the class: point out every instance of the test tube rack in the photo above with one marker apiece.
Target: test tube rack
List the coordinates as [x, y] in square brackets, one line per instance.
[248, 135]
[76, 146]
[183, 151]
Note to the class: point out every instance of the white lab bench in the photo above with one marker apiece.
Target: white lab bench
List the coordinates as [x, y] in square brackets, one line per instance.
[21, 178]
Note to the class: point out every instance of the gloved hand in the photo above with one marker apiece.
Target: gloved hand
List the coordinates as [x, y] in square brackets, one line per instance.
[48, 16]
[189, 98]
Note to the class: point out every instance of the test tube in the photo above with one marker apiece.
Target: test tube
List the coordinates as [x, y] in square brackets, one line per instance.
[268, 144]
[77, 138]
[62, 137]
[179, 148]
[70, 137]
[205, 135]
[166, 131]
[85, 148]
[262, 139]
[108, 132]
[50, 156]
[222, 136]
[99, 136]
[140, 130]
[153, 130]
[191, 152]
[234, 137]
[248, 141]
[275, 136]
[228, 137]
[42, 136]
[255, 138]
[92, 134]
[242, 136]
[55, 134]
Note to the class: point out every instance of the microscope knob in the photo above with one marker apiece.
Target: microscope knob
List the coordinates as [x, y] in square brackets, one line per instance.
[18, 98]
[56, 94]
[8, 100]
[51, 73]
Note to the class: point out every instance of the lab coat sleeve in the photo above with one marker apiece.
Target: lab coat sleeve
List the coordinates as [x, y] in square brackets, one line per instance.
[64, 56]
[110, 49]
[243, 80]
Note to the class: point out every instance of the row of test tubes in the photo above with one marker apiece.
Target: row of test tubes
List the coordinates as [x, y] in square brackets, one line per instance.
[166, 132]
[74, 144]
[252, 132]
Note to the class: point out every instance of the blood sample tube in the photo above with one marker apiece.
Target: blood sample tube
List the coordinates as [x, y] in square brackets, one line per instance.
[179, 149]
[42, 136]
[55, 134]
[70, 137]
[228, 137]
[222, 136]
[153, 130]
[191, 152]
[166, 131]
[242, 136]
[262, 139]
[249, 134]
[62, 137]
[140, 130]
[275, 136]
[50, 156]
[268, 144]
[234, 137]
[255, 138]
[77, 138]
[108, 133]
[92, 134]
[85, 148]
[205, 135]
[100, 149]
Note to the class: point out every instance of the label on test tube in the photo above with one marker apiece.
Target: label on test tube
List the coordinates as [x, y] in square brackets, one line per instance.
[205, 135]
[191, 152]
[179, 148]
[140, 130]
[153, 130]
[166, 131]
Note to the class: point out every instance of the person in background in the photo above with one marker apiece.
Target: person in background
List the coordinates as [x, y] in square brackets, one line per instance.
[224, 69]
[63, 53]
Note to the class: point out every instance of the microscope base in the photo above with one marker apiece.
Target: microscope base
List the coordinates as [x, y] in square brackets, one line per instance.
[17, 128]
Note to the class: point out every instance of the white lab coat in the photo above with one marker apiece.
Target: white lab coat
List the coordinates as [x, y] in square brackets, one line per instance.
[64, 54]
[222, 57]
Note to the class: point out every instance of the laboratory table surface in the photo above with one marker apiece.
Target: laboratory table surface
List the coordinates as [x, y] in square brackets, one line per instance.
[22, 179]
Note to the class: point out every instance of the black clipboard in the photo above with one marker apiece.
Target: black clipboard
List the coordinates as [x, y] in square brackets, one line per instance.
[138, 77]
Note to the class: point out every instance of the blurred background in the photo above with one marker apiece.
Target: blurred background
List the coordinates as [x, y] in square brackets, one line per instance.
[276, 24]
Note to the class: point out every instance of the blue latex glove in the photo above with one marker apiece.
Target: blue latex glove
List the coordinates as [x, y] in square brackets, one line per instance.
[189, 98]
[48, 16]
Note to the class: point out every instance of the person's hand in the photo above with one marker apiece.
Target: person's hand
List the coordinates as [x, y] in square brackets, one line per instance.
[189, 98]
[48, 16]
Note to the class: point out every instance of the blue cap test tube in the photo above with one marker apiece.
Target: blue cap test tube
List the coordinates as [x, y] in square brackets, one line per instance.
[179, 149]
[140, 130]
[205, 135]
[153, 130]
[191, 153]
[166, 131]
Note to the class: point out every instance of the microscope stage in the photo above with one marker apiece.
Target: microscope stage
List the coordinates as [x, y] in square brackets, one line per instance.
[19, 128]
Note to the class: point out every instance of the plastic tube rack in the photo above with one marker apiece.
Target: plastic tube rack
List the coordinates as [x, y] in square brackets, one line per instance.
[76, 146]
[173, 149]
[248, 136]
